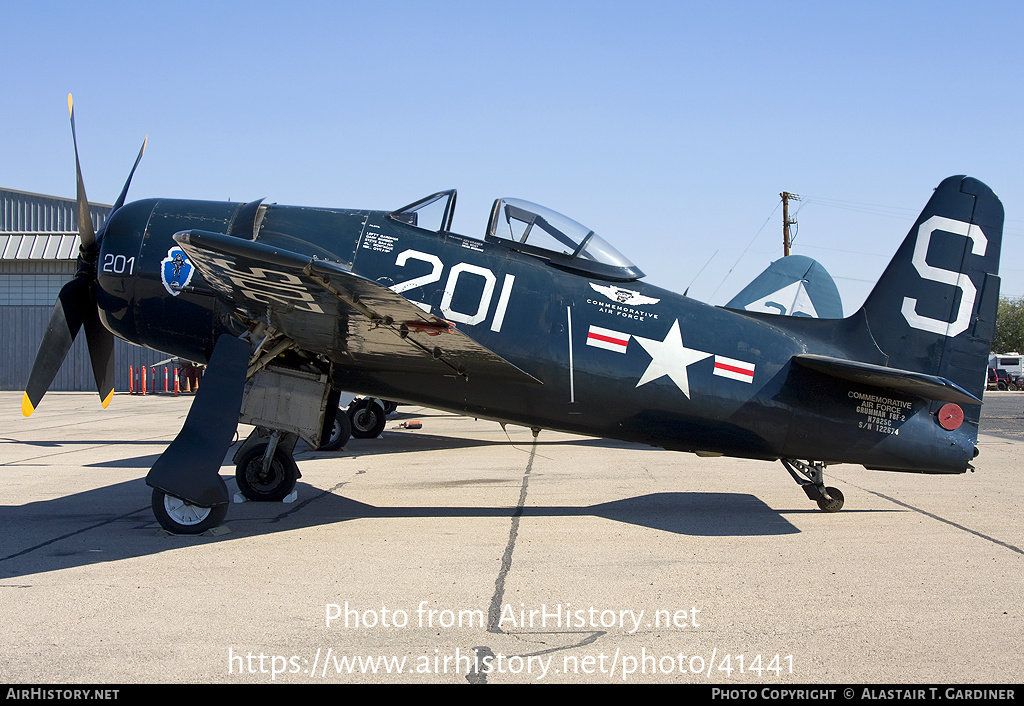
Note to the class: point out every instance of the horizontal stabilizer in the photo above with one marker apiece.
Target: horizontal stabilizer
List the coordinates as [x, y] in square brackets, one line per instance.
[929, 387]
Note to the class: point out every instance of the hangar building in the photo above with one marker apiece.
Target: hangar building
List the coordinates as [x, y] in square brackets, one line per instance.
[38, 254]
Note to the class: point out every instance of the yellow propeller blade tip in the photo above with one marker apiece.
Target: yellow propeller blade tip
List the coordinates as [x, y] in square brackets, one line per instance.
[70, 105]
[26, 406]
[106, 400]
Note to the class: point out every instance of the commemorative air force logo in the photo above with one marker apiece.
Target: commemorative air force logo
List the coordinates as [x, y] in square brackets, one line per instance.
[176, 271]
[623, 296]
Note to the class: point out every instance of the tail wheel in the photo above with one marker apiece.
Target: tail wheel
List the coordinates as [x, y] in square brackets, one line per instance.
[178, 516]
[833, 505]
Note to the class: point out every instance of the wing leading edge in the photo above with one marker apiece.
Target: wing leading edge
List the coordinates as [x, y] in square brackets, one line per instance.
[327, 309]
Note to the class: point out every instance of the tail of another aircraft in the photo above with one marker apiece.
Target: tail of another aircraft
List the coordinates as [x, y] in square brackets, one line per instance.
[933, 311]
[792, 286]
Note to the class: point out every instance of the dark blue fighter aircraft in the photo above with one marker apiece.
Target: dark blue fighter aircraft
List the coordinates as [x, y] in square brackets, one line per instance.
[536, 321]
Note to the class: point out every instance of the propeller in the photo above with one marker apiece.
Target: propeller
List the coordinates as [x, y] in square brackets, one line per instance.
[76, 305]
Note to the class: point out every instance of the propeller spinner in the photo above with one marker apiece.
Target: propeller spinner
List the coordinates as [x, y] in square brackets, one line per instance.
[76, 305]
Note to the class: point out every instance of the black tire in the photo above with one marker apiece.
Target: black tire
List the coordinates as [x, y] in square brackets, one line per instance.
[179, 517]
[367, 419]
[273, 486]
[836, 503]
[341, 432]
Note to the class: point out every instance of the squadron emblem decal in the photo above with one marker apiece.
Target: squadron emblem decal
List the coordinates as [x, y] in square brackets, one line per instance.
[176, 271]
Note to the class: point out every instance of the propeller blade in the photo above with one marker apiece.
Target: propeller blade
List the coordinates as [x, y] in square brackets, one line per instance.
[124, 192]
[76, 307]
[72, 307]
[85, 230]
[101, 354]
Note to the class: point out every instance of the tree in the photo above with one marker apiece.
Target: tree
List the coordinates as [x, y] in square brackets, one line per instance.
[1009, 336]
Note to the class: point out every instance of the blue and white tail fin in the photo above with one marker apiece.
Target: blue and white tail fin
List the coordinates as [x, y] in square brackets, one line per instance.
[933, 310]
[792, 286]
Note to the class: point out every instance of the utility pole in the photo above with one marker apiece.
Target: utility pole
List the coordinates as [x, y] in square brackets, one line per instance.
[786, 220]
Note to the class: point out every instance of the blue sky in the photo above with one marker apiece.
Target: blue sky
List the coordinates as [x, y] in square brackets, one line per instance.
[668, 127]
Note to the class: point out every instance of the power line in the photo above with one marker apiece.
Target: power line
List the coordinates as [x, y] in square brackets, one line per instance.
[769, 218]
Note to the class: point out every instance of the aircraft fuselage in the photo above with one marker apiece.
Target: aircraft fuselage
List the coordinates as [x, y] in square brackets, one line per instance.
[615, 359]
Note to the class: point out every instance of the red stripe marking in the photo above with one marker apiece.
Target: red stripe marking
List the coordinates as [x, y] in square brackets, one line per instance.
[608, 339]
[734, 369]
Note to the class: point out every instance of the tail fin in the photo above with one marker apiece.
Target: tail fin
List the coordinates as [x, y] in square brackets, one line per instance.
[933, 310]
[792, 286]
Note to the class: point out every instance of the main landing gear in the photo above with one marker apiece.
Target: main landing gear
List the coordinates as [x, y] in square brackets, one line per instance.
[341, 432]
[368, 417]
[811, 477]
[265, 469]
[178, 516]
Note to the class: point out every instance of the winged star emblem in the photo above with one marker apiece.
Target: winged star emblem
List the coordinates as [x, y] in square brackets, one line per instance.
[623, 296]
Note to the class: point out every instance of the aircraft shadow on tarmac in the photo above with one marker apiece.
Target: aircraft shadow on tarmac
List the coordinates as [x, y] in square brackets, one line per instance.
[394, 442]
[390, 442]
[115, 522]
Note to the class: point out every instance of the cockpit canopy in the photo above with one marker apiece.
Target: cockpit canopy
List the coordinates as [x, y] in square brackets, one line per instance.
[535, 230]
[527, 227]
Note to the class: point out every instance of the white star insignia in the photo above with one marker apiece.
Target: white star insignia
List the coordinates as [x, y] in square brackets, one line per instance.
[670, 357]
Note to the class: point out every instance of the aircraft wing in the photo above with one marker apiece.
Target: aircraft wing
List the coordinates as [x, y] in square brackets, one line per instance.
[327, 309]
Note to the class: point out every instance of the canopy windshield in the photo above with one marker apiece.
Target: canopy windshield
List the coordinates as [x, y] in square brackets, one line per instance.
[529, 228]
[537, 230]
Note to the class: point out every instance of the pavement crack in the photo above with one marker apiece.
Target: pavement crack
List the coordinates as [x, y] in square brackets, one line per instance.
[957, 525]
[298, 506]
[48, 542]
[494, 611]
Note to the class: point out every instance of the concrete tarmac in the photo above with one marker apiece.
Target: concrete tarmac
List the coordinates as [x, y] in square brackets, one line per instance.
[463, 553]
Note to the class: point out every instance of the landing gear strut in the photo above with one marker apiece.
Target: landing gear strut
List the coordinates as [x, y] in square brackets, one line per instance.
[811, 477]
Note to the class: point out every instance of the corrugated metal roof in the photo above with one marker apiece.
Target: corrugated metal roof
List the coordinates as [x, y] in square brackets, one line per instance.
[40, 227]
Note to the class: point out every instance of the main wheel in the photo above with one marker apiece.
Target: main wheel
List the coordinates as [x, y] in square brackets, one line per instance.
[272, 486]
[180, 517]
[341, 432]
[367, 419]
[834, 505]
